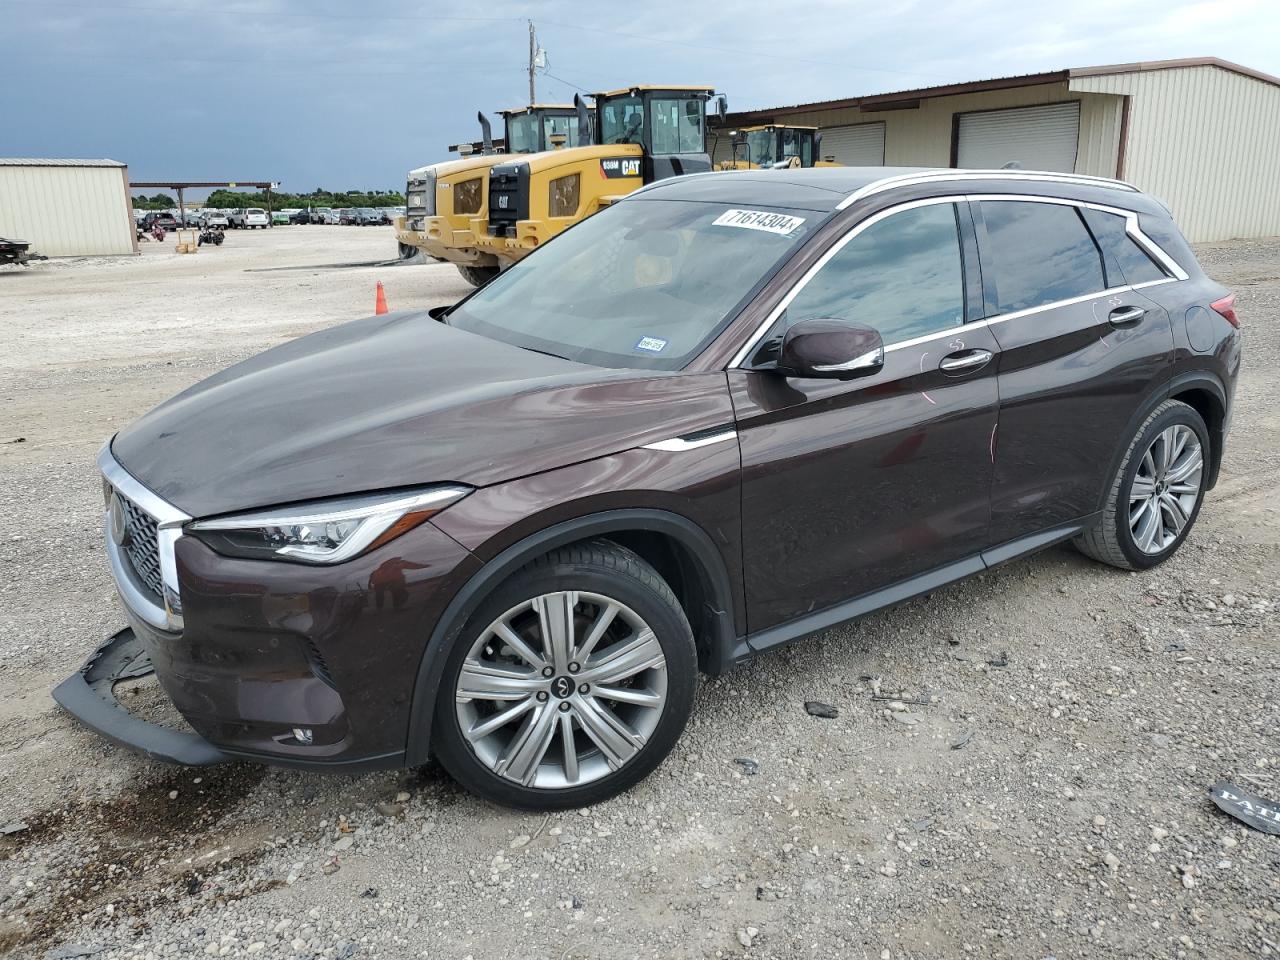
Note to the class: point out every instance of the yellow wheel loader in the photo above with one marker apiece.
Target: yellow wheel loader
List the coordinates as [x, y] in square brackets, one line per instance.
[774, 146]
[643, 134]
[443, 199]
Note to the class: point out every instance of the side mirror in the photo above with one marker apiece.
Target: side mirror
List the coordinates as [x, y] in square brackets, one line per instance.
[830, 349]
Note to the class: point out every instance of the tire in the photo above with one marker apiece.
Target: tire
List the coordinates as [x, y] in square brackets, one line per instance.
[1135, 530]
[592, 579]
[478, 276]
[407, 251]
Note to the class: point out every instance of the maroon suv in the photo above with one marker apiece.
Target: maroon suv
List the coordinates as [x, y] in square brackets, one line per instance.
[730, 411]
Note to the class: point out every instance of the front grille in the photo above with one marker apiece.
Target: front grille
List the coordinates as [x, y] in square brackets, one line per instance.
[142, 547]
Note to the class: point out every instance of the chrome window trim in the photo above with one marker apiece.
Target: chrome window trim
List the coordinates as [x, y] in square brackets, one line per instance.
[1131, 228]
[907, 179]
[169, 521]
[680, 444]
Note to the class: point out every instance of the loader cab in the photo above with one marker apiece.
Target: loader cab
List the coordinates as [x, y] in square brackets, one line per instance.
[531, 129]
[773, 145]
[669, 124]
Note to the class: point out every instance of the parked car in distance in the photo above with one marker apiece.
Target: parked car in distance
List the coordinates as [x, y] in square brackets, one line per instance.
[781, 402]
[300, 216]
[213, 218]
[256, 217]
[368, 216]
[163, 217]
[321, 215]
[348, 216]
[235, 217]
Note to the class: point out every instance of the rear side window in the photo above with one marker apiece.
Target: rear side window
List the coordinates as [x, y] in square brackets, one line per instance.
[1039, 253]
[1122, 252]
[902, 276]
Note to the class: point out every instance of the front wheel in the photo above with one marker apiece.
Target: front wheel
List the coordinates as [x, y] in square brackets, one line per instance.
[478, 276]
[569, 684]
[1156, 494]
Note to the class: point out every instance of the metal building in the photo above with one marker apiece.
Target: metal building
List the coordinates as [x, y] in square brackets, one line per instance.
[1203, 135]
[67, 208]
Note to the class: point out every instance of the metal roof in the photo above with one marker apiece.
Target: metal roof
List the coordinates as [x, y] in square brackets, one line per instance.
[908, 98]
[33, 162]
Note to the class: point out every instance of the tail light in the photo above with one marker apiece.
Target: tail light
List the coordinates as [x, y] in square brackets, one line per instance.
[1227, 308]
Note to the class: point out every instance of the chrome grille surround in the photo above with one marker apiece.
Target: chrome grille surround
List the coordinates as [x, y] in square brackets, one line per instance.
[141, 548]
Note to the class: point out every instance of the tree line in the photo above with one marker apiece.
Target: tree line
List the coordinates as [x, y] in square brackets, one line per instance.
[232, 199]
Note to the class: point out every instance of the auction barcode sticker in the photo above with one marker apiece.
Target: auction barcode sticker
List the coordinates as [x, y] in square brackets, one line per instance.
[779, 223]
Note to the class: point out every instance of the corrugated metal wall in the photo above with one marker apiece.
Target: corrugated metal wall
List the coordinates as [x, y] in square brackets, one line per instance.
[922, 137]
[66, 211]
[1207, 142]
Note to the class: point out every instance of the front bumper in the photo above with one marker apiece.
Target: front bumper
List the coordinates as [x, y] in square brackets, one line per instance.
[87, 695]
[263, 649]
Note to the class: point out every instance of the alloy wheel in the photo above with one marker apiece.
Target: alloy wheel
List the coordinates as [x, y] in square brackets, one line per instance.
[1164, 491]
[561, 690]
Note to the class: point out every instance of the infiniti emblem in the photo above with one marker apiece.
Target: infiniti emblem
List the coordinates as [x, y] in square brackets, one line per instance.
[562, 687]
[119, 531]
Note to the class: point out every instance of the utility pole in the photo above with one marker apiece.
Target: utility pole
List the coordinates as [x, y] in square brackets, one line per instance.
[533, 53]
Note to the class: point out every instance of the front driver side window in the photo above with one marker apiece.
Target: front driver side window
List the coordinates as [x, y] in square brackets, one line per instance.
[902, 275]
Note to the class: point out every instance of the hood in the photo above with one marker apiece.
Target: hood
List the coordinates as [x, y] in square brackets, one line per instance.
[395, 401]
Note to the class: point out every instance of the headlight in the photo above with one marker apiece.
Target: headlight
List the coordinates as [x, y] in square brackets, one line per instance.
[563, 199]
[466, 196]
[324, 531]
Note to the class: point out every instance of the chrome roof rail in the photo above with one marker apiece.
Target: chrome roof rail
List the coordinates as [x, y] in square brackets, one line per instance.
[1031, 176]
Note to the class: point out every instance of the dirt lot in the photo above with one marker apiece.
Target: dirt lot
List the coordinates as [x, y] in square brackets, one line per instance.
[1046, 795]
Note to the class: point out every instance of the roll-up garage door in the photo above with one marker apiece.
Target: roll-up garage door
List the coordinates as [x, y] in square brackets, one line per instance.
[1039, 138]
[861, 145]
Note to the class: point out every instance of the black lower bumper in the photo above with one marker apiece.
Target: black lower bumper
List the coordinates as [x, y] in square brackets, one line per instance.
[87, 696]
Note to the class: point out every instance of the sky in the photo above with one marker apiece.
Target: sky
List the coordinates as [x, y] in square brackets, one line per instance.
[321, 93]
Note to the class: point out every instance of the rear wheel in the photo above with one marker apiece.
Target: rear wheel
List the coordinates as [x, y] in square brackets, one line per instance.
[478, 276]
[569, 684]
[407, 251]
[1156, 494]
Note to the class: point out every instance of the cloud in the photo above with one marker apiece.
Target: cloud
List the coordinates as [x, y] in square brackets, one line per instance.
[320, 93]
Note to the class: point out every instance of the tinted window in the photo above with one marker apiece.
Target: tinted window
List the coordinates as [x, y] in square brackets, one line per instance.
[677, 126]
[645, 283]
[902, 276]
[1039, 253]
[622, 120]
[1123, 254]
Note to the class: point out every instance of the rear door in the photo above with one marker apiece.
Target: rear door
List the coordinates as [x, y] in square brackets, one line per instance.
[1081, 351]
[851, 486]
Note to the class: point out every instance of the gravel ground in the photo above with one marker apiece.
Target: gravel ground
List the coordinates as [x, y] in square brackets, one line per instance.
[1038, 787]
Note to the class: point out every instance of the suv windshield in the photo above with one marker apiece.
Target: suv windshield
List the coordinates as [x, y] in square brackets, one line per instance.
[645, 283]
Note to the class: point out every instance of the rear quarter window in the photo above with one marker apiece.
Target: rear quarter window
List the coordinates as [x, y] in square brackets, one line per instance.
[1039, 253]
[1126, 261]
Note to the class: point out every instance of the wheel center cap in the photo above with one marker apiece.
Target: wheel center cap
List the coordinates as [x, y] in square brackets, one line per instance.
[563, 687]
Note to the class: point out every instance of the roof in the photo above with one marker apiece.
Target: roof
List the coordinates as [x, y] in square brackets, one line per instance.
[910, 98]
[537, 106]
[657, 86]
[34, 162]
[826, 189]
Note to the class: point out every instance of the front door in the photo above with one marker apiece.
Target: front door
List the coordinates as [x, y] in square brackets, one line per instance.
[852, 486]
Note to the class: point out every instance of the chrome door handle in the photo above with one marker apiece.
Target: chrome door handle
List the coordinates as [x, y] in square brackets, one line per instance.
[1123, 316]
[965, 361]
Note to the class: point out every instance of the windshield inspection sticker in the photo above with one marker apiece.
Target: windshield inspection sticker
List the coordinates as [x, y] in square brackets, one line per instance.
[651, 344]
[779, 223]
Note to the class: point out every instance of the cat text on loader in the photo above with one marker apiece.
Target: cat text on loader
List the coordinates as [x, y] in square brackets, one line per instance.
[643, 134]
[774, 146]
[444, 199]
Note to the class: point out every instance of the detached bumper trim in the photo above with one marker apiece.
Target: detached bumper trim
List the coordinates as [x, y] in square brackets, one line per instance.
[87, 696]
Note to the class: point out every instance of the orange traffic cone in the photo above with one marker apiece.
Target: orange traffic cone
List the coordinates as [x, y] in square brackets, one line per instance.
[380, 305]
